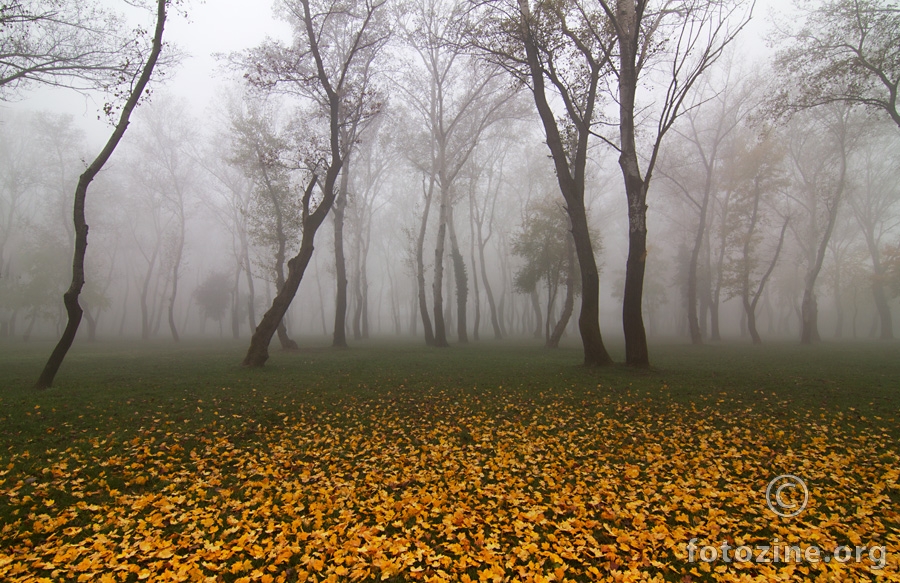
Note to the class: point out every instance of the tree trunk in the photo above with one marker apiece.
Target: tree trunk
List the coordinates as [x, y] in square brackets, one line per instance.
[91, 322]
[440, 332]
[569, 302]
[693, 320]
[461, 279]
[70, 298]
[258, 352]
[175, 267]
[878, 294]
[340, 266]
[235, 306]
[420, 265]
[538, 315]
[636, 353]
[571, 184]
[251, 300]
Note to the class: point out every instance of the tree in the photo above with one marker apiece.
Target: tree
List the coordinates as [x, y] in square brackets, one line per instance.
[842, 51]
[754, 174]
[717, 110]
[819, 145]
[165, 139]
[680, 40]
[213, 296]
[329, 67]
[70, 298]
[560, 51]
[874, 199]
[64, 43]
[261, 151]
[545, 244]
[456, 97]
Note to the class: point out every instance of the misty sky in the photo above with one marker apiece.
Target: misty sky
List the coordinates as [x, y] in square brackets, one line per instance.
[223, 26]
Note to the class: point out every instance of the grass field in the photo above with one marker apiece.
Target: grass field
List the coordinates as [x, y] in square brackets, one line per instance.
[492, 462]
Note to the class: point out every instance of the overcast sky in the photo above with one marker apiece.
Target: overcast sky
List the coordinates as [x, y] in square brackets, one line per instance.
[224, 26]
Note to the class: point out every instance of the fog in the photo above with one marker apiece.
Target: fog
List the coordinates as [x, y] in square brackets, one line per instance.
[187, 218]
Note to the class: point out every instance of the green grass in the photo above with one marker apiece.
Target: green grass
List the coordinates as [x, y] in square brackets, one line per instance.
[113, 398]
[111, 386]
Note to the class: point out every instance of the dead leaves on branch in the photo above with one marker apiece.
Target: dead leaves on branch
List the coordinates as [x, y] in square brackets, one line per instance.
[448, 489]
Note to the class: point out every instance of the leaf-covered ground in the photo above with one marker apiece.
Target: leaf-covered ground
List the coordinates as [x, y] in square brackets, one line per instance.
[566, 477]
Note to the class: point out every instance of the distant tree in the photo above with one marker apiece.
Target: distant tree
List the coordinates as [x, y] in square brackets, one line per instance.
[165, 139]
[213, 296]
[546, 246]
[892, 268]
[262, 151]
[755, 174]
[70, 298]
[20, 175]
[456, 97]
[874, 199]
[842, 51]
[819, 145]
[718, 108]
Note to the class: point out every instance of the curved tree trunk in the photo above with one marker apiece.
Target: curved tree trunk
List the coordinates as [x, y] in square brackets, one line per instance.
[70, 298]
[420, 265]
[569, 302]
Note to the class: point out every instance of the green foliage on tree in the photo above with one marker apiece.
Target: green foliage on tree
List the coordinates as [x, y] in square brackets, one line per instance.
[213, 296]
[542, 245]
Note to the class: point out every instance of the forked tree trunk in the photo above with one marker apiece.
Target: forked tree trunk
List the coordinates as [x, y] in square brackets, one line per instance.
[175, 267]
[636, 353]
[70, 298]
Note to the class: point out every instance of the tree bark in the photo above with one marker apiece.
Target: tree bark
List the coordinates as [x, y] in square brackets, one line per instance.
[176, 266]
[440, 332]
[636, 353]
[569, 302]
[339, 339]
[258, 352]
[420, 265]
[70, 298]
[461, 279]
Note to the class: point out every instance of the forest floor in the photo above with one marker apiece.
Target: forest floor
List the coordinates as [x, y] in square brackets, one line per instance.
[488, 462]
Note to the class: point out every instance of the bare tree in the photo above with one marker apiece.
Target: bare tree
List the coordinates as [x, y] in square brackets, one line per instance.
[329, 67]
[819, 145]
[65, 43]
[70, 298]
[717, 108]
[680, 40]
[874, 200]
[456, 97]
